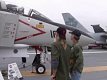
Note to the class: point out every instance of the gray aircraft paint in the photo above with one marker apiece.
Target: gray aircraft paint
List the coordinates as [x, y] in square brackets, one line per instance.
[71, 21]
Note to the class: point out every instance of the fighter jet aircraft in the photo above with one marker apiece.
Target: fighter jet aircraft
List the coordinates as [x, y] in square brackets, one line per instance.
[33, 29]
[100, 36]
[99, 30]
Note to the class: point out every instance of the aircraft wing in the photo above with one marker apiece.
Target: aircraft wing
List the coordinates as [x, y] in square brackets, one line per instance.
[38, 16]
[58, 24]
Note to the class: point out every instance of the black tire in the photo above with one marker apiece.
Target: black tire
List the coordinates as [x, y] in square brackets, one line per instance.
[40, 69]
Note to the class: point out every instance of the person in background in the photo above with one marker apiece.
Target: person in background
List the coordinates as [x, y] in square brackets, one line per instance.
[76, 61]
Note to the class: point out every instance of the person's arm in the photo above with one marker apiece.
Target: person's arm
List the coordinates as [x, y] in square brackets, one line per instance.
[78, 56]
[54, 60]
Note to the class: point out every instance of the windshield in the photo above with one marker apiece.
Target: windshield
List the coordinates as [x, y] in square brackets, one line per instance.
[37, 15]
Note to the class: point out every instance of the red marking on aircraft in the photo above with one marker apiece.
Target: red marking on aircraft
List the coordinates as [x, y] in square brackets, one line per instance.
[30, 36]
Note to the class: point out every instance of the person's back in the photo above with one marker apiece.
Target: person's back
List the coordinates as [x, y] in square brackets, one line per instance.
[63, 55]
[60, 56]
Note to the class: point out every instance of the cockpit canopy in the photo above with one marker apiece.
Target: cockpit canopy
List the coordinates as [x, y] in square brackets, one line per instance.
[20, 10]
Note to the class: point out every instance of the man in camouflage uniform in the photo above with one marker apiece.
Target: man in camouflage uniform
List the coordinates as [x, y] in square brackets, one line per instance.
[76, 61]
[60, 57]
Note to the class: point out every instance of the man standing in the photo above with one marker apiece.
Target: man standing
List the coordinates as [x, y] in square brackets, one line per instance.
[77, 59]
[60, 56]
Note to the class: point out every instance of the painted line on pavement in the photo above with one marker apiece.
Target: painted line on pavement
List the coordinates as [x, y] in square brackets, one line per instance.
[27, 73]
[94, 69]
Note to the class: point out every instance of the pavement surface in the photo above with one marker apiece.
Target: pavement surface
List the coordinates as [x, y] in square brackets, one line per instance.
[95, 66]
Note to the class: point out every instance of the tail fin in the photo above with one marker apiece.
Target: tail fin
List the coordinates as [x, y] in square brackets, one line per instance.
[97, 28]
[71, 21]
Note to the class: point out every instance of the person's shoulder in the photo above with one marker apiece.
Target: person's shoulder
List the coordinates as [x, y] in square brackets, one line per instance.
[77, 46]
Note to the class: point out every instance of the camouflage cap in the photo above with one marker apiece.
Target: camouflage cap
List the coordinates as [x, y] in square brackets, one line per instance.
[76, 33]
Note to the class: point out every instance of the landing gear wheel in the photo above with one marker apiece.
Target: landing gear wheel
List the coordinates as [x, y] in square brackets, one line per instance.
[40, 69]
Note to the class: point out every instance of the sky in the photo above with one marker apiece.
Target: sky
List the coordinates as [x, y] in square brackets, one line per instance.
[87, 12]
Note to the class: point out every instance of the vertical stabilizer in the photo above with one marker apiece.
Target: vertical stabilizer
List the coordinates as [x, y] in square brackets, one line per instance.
[97, 28]
[71, 21]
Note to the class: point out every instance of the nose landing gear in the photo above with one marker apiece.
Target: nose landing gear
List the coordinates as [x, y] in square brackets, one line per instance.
[39, 67]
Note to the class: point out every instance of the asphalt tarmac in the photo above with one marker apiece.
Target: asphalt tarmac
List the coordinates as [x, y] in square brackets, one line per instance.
[95, 66]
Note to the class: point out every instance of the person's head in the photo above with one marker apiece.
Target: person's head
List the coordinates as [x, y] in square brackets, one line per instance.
[61, 33]
[75, 36]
